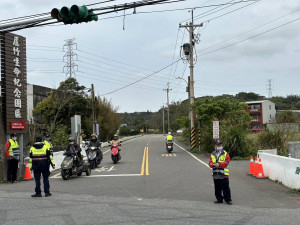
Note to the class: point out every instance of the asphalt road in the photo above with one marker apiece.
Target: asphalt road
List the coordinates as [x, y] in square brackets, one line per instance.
[150, 186]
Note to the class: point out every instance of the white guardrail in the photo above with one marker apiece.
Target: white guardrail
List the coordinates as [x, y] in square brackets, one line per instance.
[282, 169]
[58, 156]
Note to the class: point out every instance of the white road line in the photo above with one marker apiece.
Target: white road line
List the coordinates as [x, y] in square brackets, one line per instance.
[205, 164]
[108, 175]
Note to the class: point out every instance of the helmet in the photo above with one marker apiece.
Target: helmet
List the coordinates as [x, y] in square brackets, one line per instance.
[116, 137]
[71, 139]
[47, 136]
[94, 135]
[169, 133]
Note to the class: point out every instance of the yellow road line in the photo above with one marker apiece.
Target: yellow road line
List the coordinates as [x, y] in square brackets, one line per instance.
[147, 162]
[143, 163]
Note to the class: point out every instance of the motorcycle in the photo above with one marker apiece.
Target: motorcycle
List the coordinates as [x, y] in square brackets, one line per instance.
[93, 159]
[69, 168]
[115, 153]
[169, 146]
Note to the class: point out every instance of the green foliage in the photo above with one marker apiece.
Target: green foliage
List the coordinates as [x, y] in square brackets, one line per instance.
[291, 102]
[60, 136]
[271, 140]
[286, 117]
[124, 131]
[70, 99]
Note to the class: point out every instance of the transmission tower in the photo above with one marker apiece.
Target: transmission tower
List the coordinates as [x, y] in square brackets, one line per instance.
[70, 57]
[270, 85]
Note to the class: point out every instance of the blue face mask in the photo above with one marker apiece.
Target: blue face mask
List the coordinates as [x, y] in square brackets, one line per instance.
[47, 139]
[220, 148]
[15, 138]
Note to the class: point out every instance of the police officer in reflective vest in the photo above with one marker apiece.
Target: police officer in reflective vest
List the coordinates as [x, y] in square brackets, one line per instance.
[12, 153]
[48, 143]
[40, 159]
[219, 161]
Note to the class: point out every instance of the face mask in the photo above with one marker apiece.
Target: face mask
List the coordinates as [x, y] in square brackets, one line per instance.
[47, 139]
[71, 143]
[220, 148]
[15, 138]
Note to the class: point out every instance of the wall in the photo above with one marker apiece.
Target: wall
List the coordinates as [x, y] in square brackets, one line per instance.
[294, 149]
[267, 112]
[282, 169]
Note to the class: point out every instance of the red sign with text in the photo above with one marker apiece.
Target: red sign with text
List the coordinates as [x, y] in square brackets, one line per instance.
[17, 125]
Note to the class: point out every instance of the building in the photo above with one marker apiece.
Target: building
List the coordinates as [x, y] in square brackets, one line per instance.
[263, 112]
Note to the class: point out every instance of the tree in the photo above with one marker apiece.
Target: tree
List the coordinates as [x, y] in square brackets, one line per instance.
[286, 116]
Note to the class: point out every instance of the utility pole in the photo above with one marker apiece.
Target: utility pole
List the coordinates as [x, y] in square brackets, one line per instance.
[164, 119]
[70, 57]
[167, 90]
[191, 27]
[93, 108]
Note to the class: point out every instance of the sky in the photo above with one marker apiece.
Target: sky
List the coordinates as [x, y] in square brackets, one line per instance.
[238, 50]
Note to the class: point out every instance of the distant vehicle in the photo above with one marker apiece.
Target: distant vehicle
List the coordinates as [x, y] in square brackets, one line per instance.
[169, 146]
[256, 130]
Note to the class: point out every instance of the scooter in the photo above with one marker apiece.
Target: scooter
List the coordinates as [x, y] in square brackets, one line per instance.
[91, 154]
[115, 153]
[68, 167]
[169, 146]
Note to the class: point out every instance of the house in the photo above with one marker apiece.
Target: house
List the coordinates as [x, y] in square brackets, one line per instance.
[263, 112]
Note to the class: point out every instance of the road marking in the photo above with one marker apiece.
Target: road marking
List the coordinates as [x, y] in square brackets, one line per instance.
[205, 164]
[107, 175]
[111, 168]
[145, 162]
[169, 155]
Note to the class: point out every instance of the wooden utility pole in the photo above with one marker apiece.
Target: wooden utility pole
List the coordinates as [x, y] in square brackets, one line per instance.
[167, 90]
[93, 108]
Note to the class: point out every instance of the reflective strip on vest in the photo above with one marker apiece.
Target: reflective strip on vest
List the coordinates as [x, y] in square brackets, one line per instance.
[220, 160]
[14, 150]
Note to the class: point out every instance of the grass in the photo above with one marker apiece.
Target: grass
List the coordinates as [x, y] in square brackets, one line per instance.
[295, 191]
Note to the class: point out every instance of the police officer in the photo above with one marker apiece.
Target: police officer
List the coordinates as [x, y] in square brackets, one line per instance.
[48, 143]
[219, 161]
[12, 153]
[169, 137]
[40, 159]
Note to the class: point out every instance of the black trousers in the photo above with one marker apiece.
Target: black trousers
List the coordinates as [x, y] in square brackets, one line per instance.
[222, 190]
[12, 169]
[37, 178]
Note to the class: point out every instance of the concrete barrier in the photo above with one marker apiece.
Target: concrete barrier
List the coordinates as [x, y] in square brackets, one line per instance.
[282, 169]
[269, 151]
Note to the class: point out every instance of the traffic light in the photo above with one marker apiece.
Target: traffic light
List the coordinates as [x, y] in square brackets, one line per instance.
[75, 14]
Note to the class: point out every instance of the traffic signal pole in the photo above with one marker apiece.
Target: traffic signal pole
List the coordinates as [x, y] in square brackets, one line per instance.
[190, 27]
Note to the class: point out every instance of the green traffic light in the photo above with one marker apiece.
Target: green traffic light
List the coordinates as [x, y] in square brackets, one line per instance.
[79, 11]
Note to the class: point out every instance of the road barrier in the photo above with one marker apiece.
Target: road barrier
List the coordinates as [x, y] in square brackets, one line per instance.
[282, 169]
[251, 167]
[260, 170]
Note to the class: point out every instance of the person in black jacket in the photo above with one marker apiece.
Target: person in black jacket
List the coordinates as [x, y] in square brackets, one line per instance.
[96, 143]
[40, 158]
[74, 149]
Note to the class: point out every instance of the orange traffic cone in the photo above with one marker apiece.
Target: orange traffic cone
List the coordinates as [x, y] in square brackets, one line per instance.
[260, 173]
[251, 168]
[255, 170]
[27, 174]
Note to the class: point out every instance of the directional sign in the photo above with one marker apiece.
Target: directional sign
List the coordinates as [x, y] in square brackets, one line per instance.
[17, 125]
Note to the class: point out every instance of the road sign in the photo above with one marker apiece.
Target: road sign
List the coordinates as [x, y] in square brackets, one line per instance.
[17, 125]
[216, 129]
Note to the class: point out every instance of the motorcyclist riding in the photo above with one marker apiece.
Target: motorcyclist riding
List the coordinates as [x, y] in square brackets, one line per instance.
[169, 137]
[74, 149]
[96, 143]
[116, 141]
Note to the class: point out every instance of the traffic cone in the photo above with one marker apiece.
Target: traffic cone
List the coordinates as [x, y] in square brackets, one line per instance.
[260, 173]
[255, 170]
[27, 174]
[251, 167]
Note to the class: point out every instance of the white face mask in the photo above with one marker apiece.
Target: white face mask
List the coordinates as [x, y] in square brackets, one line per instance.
[220, 148]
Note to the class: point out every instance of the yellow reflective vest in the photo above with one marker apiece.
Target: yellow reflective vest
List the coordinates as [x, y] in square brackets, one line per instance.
[40, 156]
[220, 173]
[169, 138]
[49, 145]
[14, 150]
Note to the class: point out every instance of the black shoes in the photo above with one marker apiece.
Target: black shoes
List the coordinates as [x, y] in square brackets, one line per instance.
[36, 195]
[218, 202]
[229, 203]
[48, 194]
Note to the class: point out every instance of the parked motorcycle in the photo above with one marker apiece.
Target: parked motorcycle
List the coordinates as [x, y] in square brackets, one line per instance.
[94, 160]
[115, 153]
[169, 146]
[69, 167]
